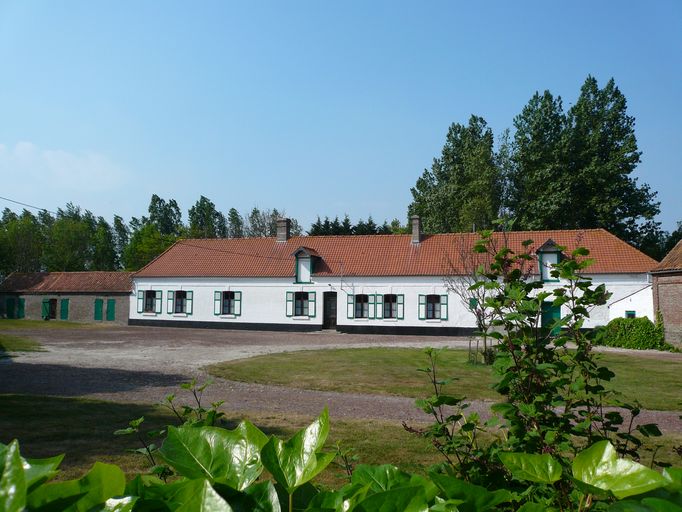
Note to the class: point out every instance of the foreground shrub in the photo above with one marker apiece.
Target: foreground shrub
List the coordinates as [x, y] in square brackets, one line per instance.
[635, 333]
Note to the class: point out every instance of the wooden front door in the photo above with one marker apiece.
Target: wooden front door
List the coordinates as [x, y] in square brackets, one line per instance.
[329, 317]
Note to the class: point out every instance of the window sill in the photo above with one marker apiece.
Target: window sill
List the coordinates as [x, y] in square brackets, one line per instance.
[390, 319]
[433, 320]
[180, 315]
[301, 317]
[147, 313]
[227, 317]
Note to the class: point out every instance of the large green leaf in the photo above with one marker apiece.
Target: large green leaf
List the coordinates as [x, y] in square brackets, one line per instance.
[39, 471]
[531, 467]
[125, 504]
[260, 497]
[400, 499]
[298, 460]
[600, 467]
[102, 482]
[474, 498]
[195, 496]
[231, 457]
[386, 477]
[12, 480]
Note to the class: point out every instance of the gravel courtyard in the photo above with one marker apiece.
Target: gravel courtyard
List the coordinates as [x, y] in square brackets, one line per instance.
[144, 364]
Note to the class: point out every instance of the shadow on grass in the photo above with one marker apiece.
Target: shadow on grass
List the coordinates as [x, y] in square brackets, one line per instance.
[83, 430]
[64, 380]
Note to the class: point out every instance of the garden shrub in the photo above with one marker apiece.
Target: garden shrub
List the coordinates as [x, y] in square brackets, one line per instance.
[636, 333]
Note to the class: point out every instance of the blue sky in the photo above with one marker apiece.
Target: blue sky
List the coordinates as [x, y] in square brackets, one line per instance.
[315, 107]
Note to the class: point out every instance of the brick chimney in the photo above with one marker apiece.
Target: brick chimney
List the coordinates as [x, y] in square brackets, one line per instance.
[283, 230]
[416, 229]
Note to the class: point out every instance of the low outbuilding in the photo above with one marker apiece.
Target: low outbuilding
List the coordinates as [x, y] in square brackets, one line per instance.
[667, 283]
[75, 296]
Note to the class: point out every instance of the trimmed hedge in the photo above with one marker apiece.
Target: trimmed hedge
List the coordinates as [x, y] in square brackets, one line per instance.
[636, 333]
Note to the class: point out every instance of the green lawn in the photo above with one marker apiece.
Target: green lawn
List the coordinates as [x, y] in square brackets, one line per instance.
[7, 324]
[10, 343]
[393, 371]
[83, 429]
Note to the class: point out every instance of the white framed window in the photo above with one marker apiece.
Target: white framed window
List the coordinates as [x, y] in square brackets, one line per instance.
[301, 304]
[433, 307]
[227, 303]
[149, 301]
[180, 302]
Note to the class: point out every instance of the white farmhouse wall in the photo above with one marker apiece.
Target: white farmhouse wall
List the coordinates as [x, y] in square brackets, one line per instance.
[263, 300]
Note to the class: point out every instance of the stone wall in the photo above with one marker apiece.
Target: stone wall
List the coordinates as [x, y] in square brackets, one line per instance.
[668, 300]
[81, 307]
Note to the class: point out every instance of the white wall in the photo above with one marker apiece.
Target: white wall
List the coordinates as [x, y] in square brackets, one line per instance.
[641, 302]
[264, 299]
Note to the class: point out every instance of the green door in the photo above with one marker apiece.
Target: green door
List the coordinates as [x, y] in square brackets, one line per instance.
[64, 309]
[45, 310]
[98, 309]
[21, 308]
[111, 310]
[10, 307]
[551, 314]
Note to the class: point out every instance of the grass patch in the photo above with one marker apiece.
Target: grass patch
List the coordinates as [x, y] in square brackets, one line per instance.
[83, 429]
[10, 343]
[383, 371]
[13, 324]
[655, 383]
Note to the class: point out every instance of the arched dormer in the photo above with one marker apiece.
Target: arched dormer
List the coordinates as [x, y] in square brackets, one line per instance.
[305, 264]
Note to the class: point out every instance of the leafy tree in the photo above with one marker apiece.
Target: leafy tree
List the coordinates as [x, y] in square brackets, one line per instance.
[70, 247]
[205, 221]
[104, 256]
[258, 224]
[463, 188]
[165, 215]
[672, 240]
[121, 238]
[235, 224]
[145, 244]
[22, 242]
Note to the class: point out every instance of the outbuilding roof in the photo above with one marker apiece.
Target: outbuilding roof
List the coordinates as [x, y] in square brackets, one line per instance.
[672, 262]
[68, 282]
[376, 255]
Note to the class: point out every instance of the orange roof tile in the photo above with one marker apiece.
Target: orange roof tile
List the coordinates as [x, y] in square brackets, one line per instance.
[68, 282]
[374, 255]
[672, 261]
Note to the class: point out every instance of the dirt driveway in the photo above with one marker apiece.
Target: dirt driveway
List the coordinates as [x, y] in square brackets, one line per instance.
[144, 364]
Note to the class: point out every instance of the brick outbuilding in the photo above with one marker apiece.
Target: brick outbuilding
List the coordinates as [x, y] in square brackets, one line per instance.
[75, 296]
[667, 283]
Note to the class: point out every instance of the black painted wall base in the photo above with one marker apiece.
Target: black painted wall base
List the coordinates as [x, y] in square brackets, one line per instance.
[350, 329]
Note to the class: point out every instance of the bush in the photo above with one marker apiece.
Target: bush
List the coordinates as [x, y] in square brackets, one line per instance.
[637, 333]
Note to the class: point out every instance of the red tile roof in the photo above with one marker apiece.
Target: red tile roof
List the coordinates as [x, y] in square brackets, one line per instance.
[68, 282]
[374, 255]
[672, 261]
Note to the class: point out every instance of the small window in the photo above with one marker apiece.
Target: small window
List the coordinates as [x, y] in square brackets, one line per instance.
[390, 306]
[433, 307]
[301, 304]
[150, 301]
[362, 306]
[228, 303]
[180, 302]
[630, 314]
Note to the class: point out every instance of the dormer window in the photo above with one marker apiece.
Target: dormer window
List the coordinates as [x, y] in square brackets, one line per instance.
[549, 255]
[305, 264]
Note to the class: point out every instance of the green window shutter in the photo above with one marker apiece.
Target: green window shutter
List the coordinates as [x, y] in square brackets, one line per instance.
[98, 309]
[401, 307]
[371, 306]
[443, 307]
[379, 305]
[237, 303]
[217, 303]
[10, 308]
[312, 304]
[350, 307]
[170, 302]
[140, 301]
[290, 303]
[64, 309]
[45, 309]
[111, 310]
[21, 309]
[158, 302]
[422, 307]
[189, 303]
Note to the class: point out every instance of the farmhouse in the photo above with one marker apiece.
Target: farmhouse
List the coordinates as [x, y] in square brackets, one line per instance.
[372, 284]
[76, 296]
[667, 284]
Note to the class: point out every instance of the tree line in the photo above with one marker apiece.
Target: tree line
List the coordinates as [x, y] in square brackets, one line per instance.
[73, 239]
[559, 169]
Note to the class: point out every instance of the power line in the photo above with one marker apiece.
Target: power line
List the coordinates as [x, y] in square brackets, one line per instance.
[28, 205]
